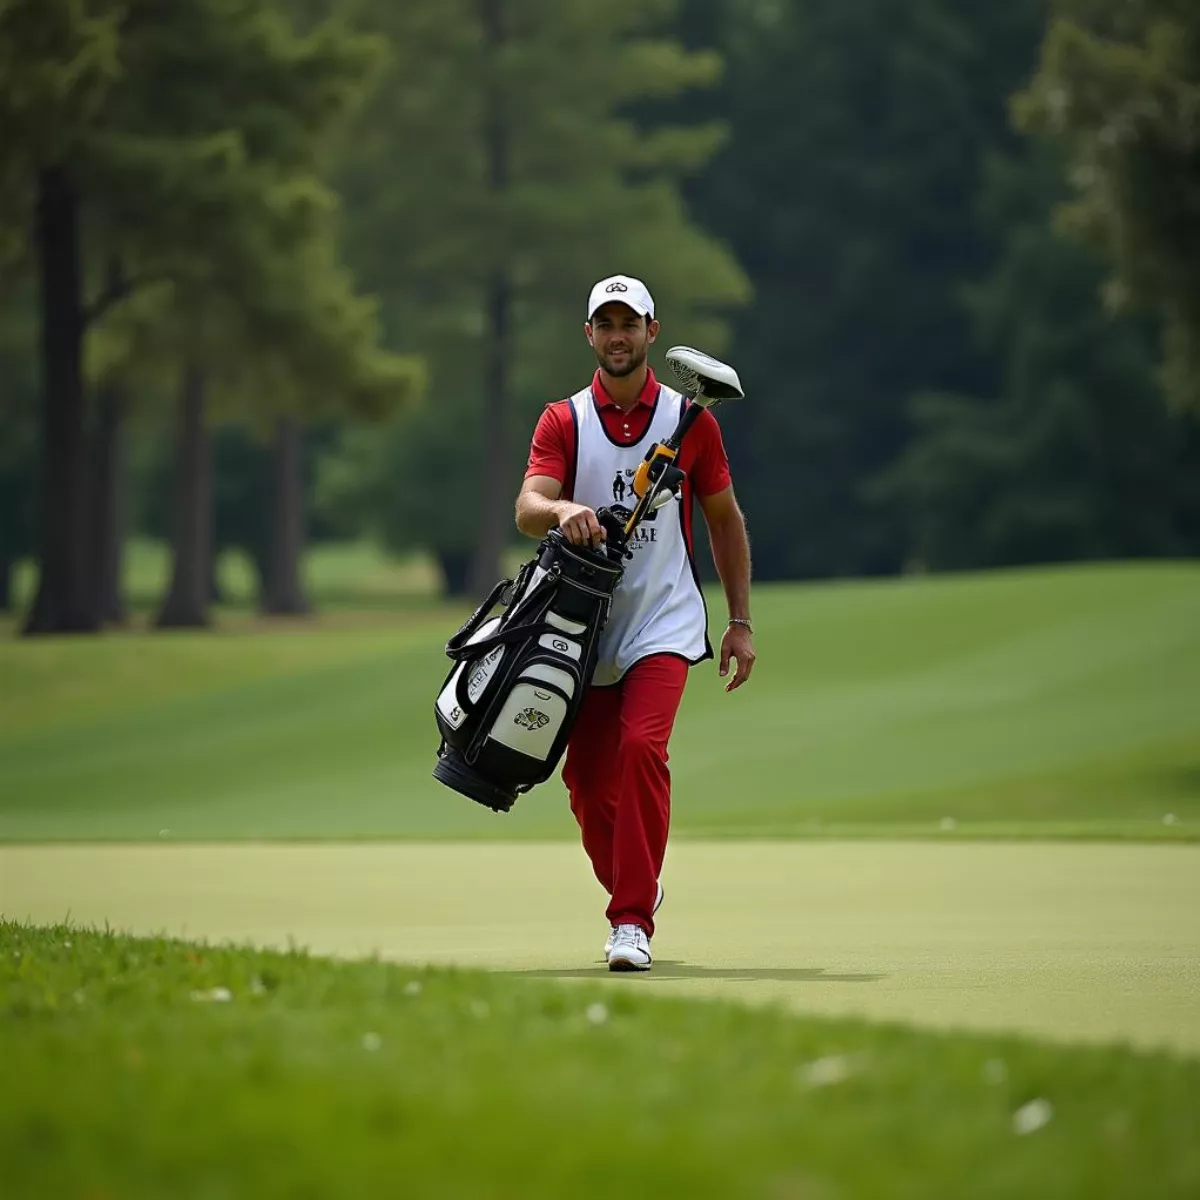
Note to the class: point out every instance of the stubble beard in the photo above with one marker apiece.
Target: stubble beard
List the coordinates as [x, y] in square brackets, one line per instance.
[635, 360]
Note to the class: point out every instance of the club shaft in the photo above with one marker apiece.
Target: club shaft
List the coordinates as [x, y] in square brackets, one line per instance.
[688, 419]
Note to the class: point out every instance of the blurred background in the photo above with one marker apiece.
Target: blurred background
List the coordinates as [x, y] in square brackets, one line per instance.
[285, 283]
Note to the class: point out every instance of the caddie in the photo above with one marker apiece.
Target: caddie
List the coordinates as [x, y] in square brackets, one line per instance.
[584, 455]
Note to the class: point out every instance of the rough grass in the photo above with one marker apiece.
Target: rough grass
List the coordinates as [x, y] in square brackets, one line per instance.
[129, 1074]
[1060, 702]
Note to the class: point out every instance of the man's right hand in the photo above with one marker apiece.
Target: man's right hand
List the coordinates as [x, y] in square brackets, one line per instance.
[579, 524]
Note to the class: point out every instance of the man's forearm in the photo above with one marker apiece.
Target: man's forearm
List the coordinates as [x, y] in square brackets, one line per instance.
[731, 556]
[536, 514]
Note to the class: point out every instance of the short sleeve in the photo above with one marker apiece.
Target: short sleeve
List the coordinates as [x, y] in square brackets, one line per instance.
[710, 465]
[550, 452]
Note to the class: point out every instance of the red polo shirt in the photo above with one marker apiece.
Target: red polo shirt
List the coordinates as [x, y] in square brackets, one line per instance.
[702, 456]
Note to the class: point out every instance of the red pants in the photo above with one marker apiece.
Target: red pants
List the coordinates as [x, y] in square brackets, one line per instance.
[616, 773]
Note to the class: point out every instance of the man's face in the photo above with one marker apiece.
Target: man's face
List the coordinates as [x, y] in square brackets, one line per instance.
[620, 338]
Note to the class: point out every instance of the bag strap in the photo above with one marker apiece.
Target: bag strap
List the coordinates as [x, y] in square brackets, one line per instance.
[502, 637]
[459, 649]
[477, 618]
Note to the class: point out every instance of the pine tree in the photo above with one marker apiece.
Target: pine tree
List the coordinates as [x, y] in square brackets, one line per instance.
[1119, 87]
[1076, 456]
[185, 133]
[848, 190]
[493, 177]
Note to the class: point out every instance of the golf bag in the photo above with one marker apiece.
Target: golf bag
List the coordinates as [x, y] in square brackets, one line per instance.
[507, 707]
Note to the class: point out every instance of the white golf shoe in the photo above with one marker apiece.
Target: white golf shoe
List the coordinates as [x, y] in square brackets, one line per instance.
[612, 933]
[630, 949]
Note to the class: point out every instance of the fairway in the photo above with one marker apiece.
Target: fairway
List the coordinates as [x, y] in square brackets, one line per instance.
[1050, 703]
[1073, 942]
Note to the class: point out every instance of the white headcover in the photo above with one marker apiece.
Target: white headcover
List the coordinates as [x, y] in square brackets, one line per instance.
[623, 289]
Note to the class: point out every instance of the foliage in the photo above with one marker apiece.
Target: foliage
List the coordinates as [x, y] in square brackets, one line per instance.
[1077, 457]
[187, 142]
[933, 381]
[586, 192]
[1119, 86]
[848, 189]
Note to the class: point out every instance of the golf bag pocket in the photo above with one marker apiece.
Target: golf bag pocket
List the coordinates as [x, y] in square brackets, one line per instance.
[534, 714]
[472, 676]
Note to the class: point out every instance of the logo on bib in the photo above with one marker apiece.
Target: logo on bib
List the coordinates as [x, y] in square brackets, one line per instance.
[531, 719]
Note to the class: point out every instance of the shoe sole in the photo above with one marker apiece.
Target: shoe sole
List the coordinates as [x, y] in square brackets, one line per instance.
[623, 964]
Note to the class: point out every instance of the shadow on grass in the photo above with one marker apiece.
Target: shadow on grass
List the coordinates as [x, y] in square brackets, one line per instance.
[670, 969]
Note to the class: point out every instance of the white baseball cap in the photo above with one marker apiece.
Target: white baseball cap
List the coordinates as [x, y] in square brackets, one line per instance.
[623, 289]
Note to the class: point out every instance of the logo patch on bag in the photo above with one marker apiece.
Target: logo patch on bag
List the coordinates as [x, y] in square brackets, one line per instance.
[531, 719]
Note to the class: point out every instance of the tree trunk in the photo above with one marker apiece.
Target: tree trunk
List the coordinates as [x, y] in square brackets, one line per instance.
[108, 533]
[6, 573]
[284, 590]
[186, 605]
[496, 503]
[215, 595]
[64, 602]
[456, 567]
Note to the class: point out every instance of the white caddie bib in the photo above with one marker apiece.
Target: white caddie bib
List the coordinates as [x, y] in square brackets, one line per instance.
[658, 608]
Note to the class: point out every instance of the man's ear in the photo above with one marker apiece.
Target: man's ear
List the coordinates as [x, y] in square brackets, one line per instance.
[587, 330]
[652, 330]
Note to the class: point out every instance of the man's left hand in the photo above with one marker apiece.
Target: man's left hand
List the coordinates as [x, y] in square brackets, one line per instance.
[737, 644]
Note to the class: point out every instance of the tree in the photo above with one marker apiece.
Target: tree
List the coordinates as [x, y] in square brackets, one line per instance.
[1119, 87]
[18, 439]
[107, 476]
[1076, 456]
[108, 110]
[494, 176]
[848, 189]
[407, 486]
[298, 345]
[186, 602]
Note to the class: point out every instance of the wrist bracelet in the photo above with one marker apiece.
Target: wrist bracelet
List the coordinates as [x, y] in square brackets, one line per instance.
[741, 621]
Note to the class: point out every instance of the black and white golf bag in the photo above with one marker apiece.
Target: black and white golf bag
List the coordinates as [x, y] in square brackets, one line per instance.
[507, 707]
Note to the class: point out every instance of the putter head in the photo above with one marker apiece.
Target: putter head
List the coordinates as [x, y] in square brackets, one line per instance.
[708, 380]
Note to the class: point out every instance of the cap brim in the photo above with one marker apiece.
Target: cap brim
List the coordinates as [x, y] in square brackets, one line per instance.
[633, 308]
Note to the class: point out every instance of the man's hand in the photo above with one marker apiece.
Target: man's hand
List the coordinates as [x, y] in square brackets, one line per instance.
[737, 644]
[579, 524]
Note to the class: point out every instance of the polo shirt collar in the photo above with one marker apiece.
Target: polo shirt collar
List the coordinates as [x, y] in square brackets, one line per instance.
[647, 396]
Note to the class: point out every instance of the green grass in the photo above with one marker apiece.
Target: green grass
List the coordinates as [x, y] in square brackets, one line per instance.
[1060, 702]
[354, 575]
[124, 1078]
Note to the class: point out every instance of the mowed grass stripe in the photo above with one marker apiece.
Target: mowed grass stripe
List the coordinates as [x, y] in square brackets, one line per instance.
[220, 1071]
[1058, 700]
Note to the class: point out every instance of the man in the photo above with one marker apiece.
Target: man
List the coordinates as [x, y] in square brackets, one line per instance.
[584, 454]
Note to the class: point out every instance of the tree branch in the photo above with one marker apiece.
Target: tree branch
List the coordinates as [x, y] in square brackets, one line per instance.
[116, 290]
